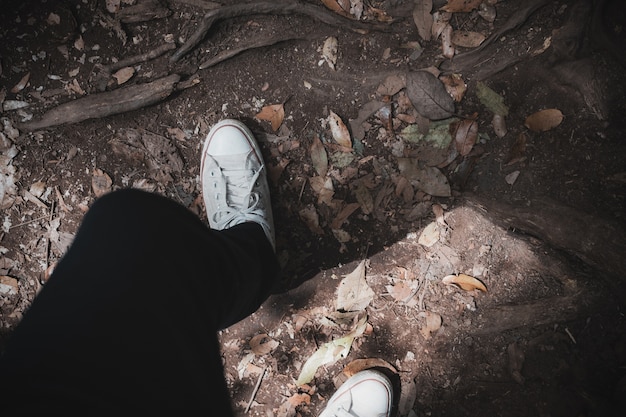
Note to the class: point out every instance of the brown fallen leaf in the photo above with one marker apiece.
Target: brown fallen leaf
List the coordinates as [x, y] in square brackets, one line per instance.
[344, 214]
[465, 135]
[544, 120]
[465, 282]
[499, 125]
[423, 18]
[359, 365]
[100, 182]
[433, 323]
[455, 86]
[262, 344]
[319, 156]
[274, 113]
[338, 129]
[21, 84]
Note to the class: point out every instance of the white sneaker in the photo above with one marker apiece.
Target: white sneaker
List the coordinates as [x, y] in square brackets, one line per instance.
[234, 180]
[365, 394]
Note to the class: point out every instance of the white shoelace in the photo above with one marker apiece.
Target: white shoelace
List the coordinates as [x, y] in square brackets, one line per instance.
[242, 203]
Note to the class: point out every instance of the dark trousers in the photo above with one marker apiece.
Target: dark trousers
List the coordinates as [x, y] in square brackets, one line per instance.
[128, 321]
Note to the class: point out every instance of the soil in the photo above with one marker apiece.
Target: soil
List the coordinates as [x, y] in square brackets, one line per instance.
[547, 336]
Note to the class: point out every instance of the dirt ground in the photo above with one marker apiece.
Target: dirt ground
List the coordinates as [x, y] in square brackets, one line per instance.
[534, 211]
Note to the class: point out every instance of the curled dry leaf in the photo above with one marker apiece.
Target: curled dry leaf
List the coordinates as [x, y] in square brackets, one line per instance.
[21, 84]
[447, 47]
[423, 18]
[359, 365]
[465, 136]
[544, 120]
[274, 113]
[339, 130]
[319, 156]
[465, 282]
[262, 344]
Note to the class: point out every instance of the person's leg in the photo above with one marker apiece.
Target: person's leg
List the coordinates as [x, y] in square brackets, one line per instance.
[128, 319]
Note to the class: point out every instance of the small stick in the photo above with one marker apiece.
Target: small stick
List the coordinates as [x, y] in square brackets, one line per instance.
[256, 388]
[132, 60]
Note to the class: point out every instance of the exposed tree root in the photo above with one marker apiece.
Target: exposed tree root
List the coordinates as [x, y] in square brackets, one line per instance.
[106, 104]
[315, 12]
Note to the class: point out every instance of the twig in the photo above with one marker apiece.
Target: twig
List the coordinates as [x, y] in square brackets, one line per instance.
[256, 389]
[278, 8]
[28, 222]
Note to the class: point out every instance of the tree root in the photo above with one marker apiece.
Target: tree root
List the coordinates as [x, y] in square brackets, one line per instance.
[106, 104]
[297, 7]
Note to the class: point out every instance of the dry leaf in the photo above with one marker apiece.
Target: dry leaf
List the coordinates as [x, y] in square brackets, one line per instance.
[462, 6]
[343, 215]
[359, 365]
[455, 86]
[338, 129]
[430, 235]
[512, 177]
[124, 75]
[262, 344]
[402, 291]
[423, 18]
[100, 182]
[447, 47]
[353, 293]
[319, 156]
[440, 21]
[467, 39]
[341, 7]
[465, 136]
[274, 114]
[429, 95]
[439, 216]
[329, 51]
[465, 282]
[433, 323]
[113, 6]
[544, 120]
[21, 84]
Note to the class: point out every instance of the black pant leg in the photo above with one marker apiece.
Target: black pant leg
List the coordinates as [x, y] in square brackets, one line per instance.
[128, 320]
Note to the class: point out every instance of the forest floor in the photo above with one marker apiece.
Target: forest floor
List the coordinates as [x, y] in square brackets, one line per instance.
[460, 166]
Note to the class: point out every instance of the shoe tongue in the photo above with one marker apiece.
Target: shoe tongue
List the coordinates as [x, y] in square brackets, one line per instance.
[233, 162]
